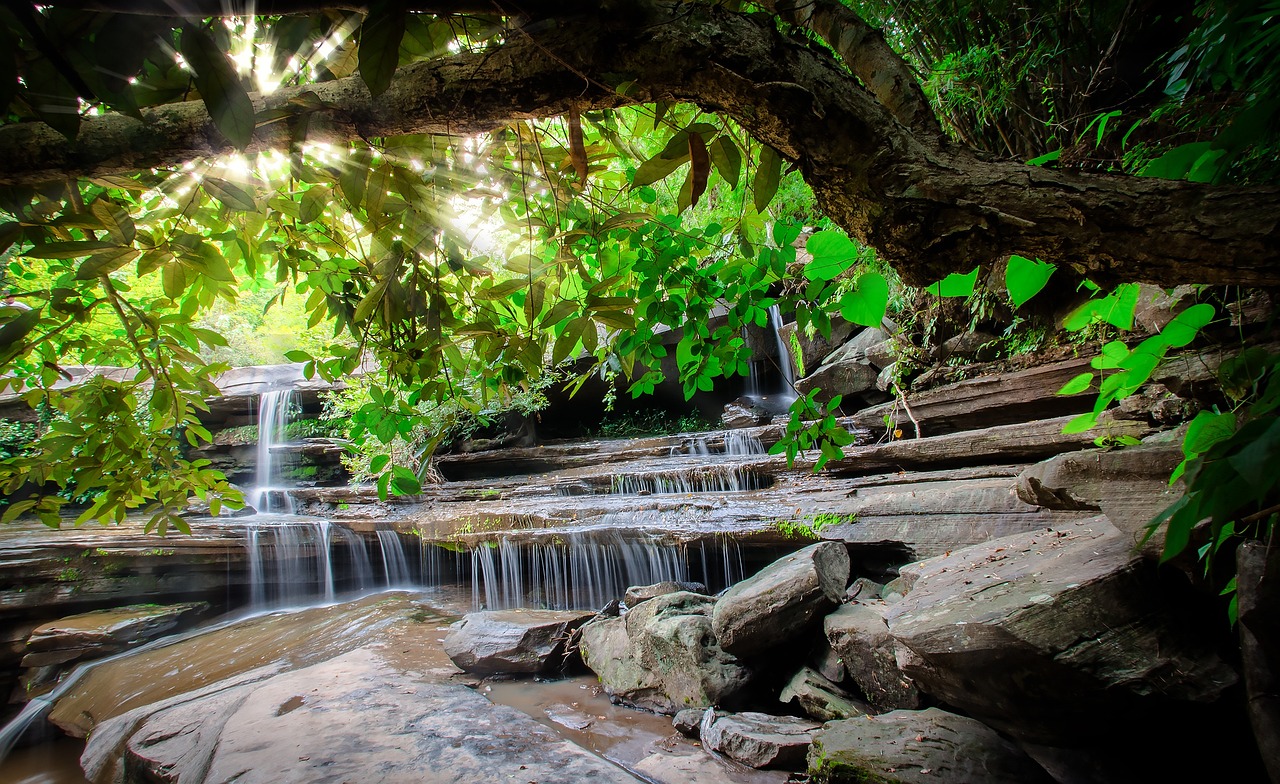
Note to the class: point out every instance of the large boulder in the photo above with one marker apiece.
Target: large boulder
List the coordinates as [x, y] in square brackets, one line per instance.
[847, 378]
[858, 633]
[663, 655]
[745, 412]
[918, 747]
[782, 599]
[512, 641]
[758, 739]
[643, 593]
[1051, 636]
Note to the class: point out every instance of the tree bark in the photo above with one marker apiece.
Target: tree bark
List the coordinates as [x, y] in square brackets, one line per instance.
[930, 207]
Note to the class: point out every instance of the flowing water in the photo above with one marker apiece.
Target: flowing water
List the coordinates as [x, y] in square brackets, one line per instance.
[273, 416]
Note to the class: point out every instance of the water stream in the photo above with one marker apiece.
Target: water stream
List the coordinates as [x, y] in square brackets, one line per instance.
[273, 415]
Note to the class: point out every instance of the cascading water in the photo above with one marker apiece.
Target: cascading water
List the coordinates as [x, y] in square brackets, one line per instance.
[295, 561]
[781, 397]
[726, 478]
[273, 415]
[588, 569]
[395, 564]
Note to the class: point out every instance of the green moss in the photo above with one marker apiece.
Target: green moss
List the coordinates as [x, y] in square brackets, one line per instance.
[69, 575]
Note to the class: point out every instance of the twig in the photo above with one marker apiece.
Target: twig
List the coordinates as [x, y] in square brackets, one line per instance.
[907, 407]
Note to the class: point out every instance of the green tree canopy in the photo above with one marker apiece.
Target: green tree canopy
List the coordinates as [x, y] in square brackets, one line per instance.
[469, 193]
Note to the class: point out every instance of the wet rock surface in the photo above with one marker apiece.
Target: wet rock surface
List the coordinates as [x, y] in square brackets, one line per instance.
[512, 641]
[409, 730]
[758, 740]
[918, 747]
[663, 655]
[820, 698]
[767, 609]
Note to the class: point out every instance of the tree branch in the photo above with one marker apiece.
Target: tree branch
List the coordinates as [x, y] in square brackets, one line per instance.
[928, 210]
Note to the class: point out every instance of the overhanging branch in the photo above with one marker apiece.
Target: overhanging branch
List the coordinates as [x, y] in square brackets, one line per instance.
[929, 207]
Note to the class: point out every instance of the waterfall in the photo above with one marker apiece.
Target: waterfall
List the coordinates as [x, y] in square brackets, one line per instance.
[785, 366]
[726, 478]
[294, 561]
[578, 570]
[273, 414]
[395, 564]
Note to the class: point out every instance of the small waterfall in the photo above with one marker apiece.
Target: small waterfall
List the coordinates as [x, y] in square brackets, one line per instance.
[273, 415]
[737, 442]
[395, 564]
[292, 561]
[785, 365]
[580, 570]
[705, 479]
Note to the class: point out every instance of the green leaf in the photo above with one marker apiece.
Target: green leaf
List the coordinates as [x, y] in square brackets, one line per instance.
[1186, 325]
[833, 253]
[378, 463]
[657, 168]
[230, 194]
[14, 330]
[115, 219]
[380, 37]
[1075, 386]
[51, 97]
[215, 77]
[1024, 278]
[70, 249]
[727, 159]
[174, 279]
[768, 175]
[1081, 424]
[955, 285]
[105, 263]
[1177, 163]
[867, 303]
[1048, 157]
[1206, 430]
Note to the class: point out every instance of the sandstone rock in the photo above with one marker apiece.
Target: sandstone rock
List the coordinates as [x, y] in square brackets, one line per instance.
[932, 516]
[356, 717]
[1051, 636]
[688, 722]
[1130, 486]
[884, 381]
[863, 590]
[860, 635]
[820, 698]
[512, 641]
[639, 593]
[918, 747]
[767, 609]
[663, 655]
[846, 378]
[859, 347]
[826, 662]
[744, 412]
[53, 647]
[988, 400]
[758, 739]
[1025, 441]
[813, 350]
[975, 344]
[103, 632]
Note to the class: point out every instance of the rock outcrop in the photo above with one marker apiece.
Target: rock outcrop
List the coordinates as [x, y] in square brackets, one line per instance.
[517, 641]
[1051, 635]
[780, 600]
[663, 655]
[918, 747]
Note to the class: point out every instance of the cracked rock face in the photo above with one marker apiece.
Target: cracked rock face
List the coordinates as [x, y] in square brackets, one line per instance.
[1050, 634]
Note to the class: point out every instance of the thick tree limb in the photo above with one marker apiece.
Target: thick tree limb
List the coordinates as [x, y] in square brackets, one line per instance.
[930, 208]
